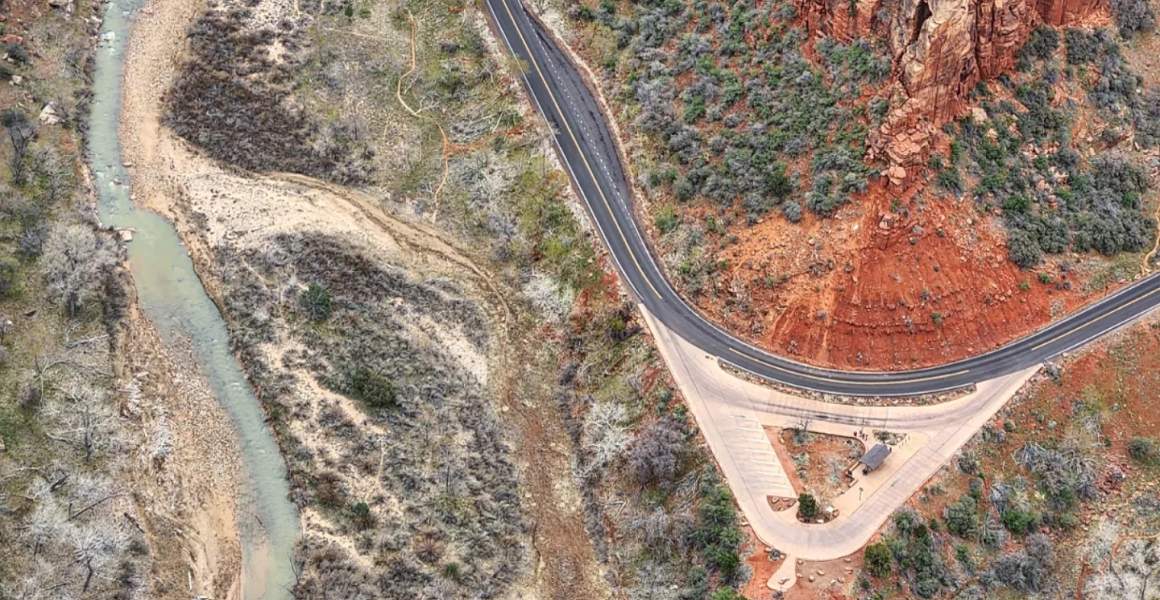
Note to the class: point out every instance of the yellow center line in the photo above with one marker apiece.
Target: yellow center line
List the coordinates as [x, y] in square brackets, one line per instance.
[1082, 325]
[820, 378]
[579, 150]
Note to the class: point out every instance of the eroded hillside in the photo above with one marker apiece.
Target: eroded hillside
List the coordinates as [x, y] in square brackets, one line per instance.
[884, 184]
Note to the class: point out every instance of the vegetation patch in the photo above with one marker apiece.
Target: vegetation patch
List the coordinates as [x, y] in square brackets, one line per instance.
[444, 518]
[1023, 161]
[729, 102]
[234, 99]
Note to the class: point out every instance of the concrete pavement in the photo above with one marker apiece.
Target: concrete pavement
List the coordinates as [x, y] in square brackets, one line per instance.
[730, 413]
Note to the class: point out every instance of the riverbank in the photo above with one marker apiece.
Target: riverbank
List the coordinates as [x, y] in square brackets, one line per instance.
[119, 472]
[256, 513]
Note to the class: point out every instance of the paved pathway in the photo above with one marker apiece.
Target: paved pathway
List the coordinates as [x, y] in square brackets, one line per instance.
[731, 413]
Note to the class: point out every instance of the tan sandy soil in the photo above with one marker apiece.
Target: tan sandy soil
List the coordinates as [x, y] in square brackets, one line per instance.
[187, 497]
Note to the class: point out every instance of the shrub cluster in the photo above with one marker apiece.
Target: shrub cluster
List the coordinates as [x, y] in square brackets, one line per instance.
[1133, 16]
[916, 552]
[1065, 474]
[727, 97]
[716, 532]
[232, 100]
[1051, 200]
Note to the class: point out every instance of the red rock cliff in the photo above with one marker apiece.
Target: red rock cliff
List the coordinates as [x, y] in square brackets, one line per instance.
[941, 49]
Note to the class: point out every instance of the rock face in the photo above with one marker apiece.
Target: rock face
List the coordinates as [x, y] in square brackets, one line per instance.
[941, 50]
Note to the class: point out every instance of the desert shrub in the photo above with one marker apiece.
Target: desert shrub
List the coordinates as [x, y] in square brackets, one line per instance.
[1066, 475]
[853, 65]
[807, 506]
[916, 552]
[1144, 450]
[1083, 47]
[1133, 16]
[75, 264]
[360, 515]
[17, 53]
[1030, 570]
[1041, 45]
[316, 302]
[962, 517]
[1147, 118]
[328, 489]
[1018, 521]
[605, 435]
[9, 278]
[792, 211]
[1114, 90]
[371, 388]
[655, 456]
[666, 219]
[716, 533]
[1040, 121]
[950, 180]
[877, 559]
[1117, 173]
[1022, 249]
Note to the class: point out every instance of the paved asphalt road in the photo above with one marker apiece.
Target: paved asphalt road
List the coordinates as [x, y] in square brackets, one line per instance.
[589, 151]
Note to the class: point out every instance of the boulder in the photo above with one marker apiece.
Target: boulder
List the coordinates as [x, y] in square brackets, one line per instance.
[50, 115]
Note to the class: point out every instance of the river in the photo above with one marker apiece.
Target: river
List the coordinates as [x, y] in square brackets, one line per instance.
[173, 298]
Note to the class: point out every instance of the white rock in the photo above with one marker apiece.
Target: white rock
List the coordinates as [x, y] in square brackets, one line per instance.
[49, 115]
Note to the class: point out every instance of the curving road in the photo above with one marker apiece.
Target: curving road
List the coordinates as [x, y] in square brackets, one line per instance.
[590, 153]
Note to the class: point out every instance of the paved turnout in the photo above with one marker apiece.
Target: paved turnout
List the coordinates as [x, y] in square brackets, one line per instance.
[731, 414]
[589, 151]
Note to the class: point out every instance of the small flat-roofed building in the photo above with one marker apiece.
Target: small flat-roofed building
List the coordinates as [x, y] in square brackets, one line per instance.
[874, 458]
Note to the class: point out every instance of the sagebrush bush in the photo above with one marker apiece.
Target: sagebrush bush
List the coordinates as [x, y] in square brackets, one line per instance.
[655, 456]
[1133, 16]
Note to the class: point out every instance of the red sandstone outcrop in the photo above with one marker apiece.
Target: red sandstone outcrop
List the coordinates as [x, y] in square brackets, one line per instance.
[941, 50]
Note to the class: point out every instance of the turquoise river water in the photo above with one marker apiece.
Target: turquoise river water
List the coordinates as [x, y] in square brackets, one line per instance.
[173, 298]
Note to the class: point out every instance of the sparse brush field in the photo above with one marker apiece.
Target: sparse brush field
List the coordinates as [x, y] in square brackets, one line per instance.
[1056, 497]
[443, 434]
[756, 146]
[1021, 158]
[739, 112]
[66, 511]
[658, 510]
[376, 383]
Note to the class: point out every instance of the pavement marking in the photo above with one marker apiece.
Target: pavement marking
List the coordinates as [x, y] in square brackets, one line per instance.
[828, 378]
[576, 143]
[1072, 330]
[750, 447]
